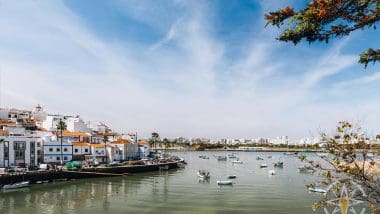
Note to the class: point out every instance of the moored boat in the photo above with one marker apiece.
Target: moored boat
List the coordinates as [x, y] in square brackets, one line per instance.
[203, 174]
[237, 161]
[317, 190]
[264, 165]
[226, 182]
[259, 158]
[279, 164]
[222, 158]
[231, 156]
[17, 185]
[271, 172]
[306, 169]
[231, 177]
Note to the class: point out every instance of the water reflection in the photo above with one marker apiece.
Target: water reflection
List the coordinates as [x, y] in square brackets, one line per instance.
[176, 191]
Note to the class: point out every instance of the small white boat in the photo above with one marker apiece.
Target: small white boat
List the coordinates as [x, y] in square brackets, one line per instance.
[288, 153]
[271, 172]
[237, 162]
[306, 169]
[279, 164]
[270, 156]
[17, 185]
[259, 158]
[224, 182]
[323, 154]
[317, 190]
[264, 165]
[202, 174]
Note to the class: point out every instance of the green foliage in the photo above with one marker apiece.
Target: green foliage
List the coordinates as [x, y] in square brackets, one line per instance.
[61, 125]
[322, 20]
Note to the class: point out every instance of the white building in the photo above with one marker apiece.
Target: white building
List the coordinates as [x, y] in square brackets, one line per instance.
[53, 152]
[76, 124]
[80, 150]
[51, 121]
[127, 150]
[98, 127]
[18, 150]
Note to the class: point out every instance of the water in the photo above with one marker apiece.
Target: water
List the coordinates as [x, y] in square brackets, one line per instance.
[177, 191]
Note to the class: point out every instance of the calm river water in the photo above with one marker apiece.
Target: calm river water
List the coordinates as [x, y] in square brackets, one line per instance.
[177, 191]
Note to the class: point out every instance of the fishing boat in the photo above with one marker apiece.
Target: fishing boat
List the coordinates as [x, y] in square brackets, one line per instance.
[203, 174]
[222, 158]
[259, 158]
[231, 177]
[271, 172]
[306, 169]
[226, 182]
[317, 190]
[264, 165]
[279, 164]
[17, 185]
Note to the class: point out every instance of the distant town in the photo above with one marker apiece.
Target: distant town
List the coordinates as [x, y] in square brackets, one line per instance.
[31, 137]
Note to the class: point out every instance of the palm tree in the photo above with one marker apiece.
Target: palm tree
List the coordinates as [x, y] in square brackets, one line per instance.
[61, 126]
[105, 140]
[155, 137]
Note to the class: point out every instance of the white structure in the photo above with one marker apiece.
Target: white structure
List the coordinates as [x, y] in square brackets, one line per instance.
[126, 149]
[98, 153]
[18, 150]
[80, 150]
[144, 149]
[76, 124]
[51, 121]
[98, 127]
[53, 152]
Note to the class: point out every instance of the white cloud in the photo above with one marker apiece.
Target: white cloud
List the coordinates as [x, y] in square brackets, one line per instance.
[181, 85]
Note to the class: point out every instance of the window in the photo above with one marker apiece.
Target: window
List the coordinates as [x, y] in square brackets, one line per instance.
[65, 158]
[65, 149]
[58, 158]
[58, 149]
[38, 144]
[19, 150]
[76, 150]
[6, 150]
[86, 150]
[50, 149]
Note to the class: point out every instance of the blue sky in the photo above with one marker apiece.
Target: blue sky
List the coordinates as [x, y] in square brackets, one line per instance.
[183, 68]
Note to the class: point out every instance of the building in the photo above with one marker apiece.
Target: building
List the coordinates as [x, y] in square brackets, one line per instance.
[18, 150]
[80, 150]
[126, 149]
[53, 152]
[76, 124]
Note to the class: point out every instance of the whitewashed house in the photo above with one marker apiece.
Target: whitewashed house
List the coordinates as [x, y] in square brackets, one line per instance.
[53, 152]
[80, 150]
[126, 149]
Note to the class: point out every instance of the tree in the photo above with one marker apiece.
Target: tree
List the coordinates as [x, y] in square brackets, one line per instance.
[350, 160]
[105, 140]
[155, 137]
[61, 126]
[322, 20]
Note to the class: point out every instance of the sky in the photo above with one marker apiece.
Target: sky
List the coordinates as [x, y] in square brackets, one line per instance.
[183, 68]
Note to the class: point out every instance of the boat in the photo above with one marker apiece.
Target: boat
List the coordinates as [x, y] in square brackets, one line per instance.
[288, 153]
[317, 190]
[203, 174]
[17, 185]
[222, 158]
[204, 157]
[270, 156]
[231, 156]
[231, 177]
[226, 182]
[306, 169]
[259, 158]
[279, 164]
[271, 172]
[237, 161]
[322, 154]
[38, 182]
[264, 165]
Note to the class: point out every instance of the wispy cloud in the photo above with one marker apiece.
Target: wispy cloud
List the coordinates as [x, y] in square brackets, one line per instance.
[184, 83]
